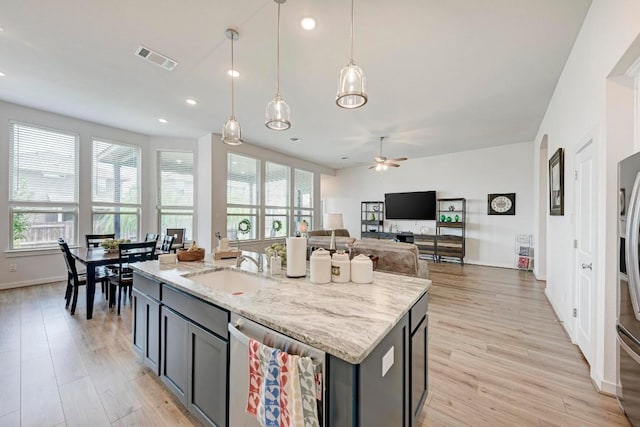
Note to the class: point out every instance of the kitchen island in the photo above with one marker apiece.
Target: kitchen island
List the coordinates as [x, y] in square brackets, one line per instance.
[374, 336]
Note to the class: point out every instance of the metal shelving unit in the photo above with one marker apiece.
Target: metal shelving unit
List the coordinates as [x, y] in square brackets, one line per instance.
[450, 229]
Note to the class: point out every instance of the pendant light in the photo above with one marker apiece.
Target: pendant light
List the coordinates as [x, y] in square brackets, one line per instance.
[352, 92]
[278, 113]
[231, 132]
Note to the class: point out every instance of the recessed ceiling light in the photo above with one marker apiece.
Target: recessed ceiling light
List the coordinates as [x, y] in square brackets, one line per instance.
[2, 74]
[191, 101]
[163, 121]
[1, 29]
[308, 23]
[294, 139]
[233, 73]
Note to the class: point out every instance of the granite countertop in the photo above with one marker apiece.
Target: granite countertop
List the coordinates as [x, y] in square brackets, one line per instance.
[346, 320]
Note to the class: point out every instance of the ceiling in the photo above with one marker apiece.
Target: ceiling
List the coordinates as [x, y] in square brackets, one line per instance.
[442, 76]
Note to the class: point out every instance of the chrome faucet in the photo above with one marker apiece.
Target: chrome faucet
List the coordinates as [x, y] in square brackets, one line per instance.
[241, 258]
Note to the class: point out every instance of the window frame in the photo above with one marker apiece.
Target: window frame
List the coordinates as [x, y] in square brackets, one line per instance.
[160, 207]
[292, 211]
[21, 206]
[136, 206]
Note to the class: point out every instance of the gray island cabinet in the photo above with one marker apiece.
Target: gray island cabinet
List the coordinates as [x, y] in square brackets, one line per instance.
[181, 331]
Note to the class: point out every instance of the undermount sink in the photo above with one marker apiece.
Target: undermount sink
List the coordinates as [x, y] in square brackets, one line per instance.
[230, 281]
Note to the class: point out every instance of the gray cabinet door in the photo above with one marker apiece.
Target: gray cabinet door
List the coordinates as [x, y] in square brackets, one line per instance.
[152, 334]
[208, 369]
[174, 352]
[418, 368]
[139, 325]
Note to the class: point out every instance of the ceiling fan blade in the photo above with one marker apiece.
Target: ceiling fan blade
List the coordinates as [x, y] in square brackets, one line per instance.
[380, 159]
[372, 166]
[393, 165]
[399, 159]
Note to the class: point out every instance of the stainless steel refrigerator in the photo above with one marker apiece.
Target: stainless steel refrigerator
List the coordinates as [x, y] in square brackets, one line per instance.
[628, 326]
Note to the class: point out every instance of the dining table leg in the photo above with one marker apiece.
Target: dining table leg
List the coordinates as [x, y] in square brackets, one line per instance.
[91, 289]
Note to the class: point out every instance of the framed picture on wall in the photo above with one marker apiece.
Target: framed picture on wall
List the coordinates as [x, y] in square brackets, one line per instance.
[556, 183]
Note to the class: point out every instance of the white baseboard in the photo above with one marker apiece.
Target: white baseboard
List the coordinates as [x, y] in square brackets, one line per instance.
[604, 387]
[32, 282]
[558, 316]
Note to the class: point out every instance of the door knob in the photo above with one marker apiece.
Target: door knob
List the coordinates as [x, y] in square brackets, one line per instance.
[587, 266]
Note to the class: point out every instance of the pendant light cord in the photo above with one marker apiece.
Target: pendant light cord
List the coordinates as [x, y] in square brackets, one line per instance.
[278, 56]
[232, 71]
[351, 32]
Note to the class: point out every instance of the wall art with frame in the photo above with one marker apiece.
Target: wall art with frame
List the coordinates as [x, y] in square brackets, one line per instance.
[556, 183]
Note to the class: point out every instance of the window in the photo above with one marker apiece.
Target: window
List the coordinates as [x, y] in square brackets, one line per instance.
[276, 200]
[43, 194]
[288, 198]
[175, 193]
[242, 197]
[115, 179]
[303, 197]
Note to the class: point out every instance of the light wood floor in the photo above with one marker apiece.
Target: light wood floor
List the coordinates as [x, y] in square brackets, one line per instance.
[496, 357]
[499, 357]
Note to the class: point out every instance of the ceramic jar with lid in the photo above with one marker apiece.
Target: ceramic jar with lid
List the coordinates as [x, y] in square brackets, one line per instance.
[320, 266]
[340, 267]
[361, 269]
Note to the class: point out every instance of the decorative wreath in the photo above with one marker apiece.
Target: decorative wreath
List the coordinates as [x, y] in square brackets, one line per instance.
[277, 225]
[244, 226]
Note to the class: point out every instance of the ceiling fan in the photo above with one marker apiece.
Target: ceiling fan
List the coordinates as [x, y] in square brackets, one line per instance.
[382, 163]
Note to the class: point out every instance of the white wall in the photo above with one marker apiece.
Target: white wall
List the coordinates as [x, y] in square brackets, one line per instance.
[471, 174]
[576, 113]
[45, 266]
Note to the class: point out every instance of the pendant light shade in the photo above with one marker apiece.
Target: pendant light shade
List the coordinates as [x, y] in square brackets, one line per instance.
[231, 131]
[352, 92]
[278, 114]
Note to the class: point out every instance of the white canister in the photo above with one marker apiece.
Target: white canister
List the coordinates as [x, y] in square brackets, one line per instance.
[361, 269]
[223, 245]
[296, 257]
[320, 266]
[340, 267]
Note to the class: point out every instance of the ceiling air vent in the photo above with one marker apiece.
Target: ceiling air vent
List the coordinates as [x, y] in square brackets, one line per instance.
[158, 59]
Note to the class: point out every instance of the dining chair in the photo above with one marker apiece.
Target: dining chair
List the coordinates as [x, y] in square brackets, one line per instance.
[178, 233]
[151, 237]
[95, 240]
[74, 280]
[129, 253]
[103, 272]
[167, 243]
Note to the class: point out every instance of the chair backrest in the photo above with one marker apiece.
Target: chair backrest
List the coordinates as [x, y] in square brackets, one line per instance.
[151, 237]
[136, 252]
[94, 240]
[167, 242]
[68, 259]
[178, 233]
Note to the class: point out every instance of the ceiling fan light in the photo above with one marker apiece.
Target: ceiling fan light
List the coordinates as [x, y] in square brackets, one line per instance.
[378, 167]
[352, 92]
[278, 114]
[384, 167]
[231, 132]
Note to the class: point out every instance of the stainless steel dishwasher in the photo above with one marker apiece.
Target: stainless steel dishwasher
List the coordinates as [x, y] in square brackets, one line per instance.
[241, 329]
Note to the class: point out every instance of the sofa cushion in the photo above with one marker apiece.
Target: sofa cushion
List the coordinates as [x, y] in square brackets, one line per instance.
[340, 232]
[393, 257]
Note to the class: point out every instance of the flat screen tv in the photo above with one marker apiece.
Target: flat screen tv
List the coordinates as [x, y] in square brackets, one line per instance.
[414, 205]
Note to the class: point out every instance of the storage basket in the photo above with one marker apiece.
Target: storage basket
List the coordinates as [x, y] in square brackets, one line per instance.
[186, 255]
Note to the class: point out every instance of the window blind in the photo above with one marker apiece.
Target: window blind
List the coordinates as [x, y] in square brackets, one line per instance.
[276, 183]
[43, 165]
[176, 179]
[115, 173]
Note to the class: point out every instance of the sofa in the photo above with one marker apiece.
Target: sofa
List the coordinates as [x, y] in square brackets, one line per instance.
[393, 257]
[322, 239]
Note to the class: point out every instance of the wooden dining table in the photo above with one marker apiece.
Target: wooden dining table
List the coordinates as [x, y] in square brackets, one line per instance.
[92, 258]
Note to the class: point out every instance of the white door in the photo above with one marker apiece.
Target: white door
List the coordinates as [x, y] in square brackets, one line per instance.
[585, 292]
